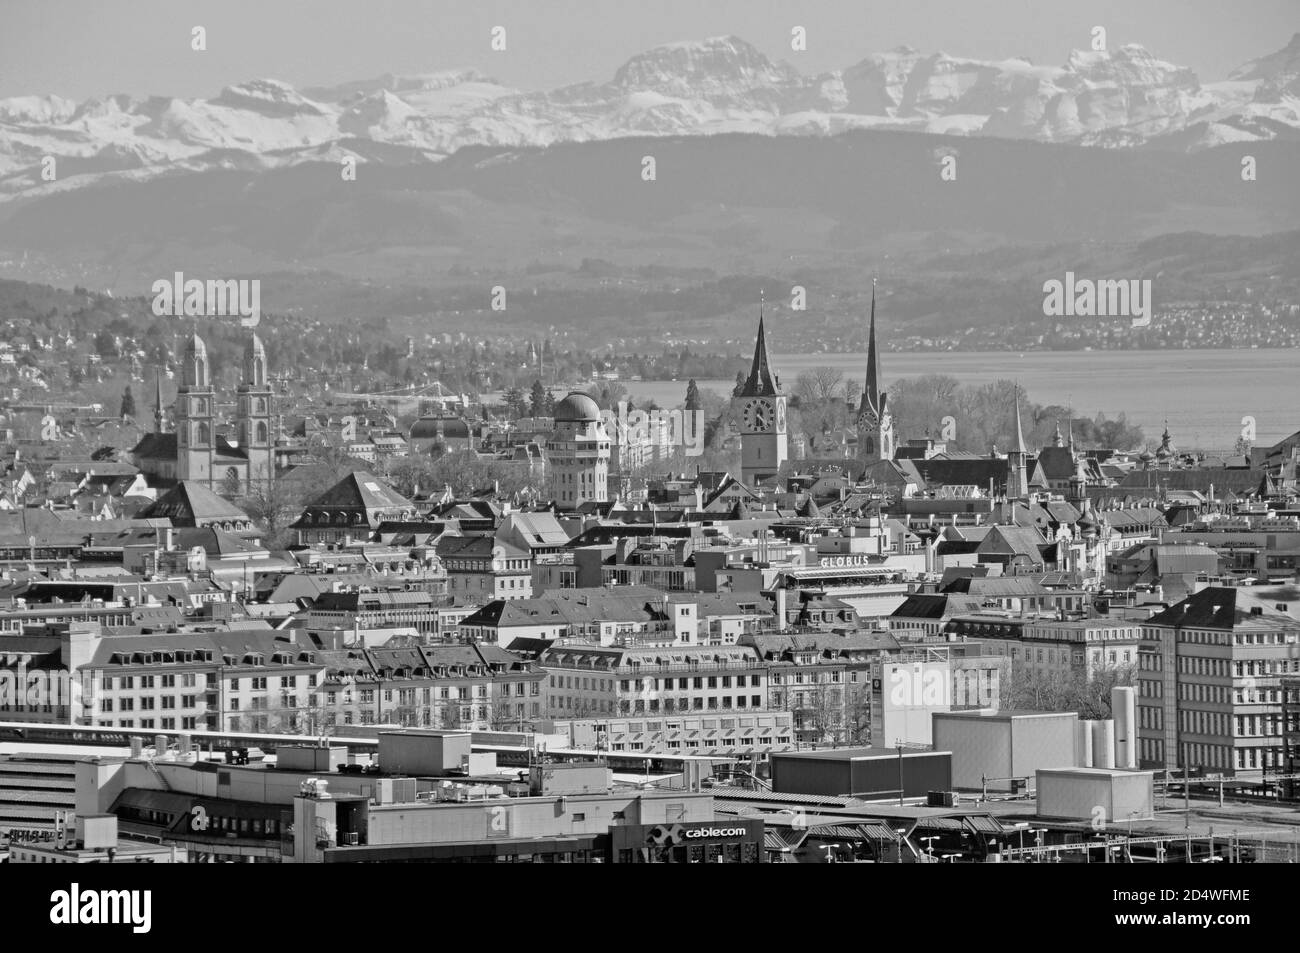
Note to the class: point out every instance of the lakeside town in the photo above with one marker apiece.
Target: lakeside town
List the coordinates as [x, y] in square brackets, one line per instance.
[765, 626]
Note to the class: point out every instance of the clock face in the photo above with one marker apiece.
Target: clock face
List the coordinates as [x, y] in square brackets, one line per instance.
[867, 420]
[757, 415]
[780, 416]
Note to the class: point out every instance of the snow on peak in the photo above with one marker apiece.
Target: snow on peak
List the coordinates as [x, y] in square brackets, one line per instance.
[270, 97]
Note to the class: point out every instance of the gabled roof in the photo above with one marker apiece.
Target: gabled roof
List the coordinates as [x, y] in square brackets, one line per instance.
[361, 489]
[156, 446]
[190, 503]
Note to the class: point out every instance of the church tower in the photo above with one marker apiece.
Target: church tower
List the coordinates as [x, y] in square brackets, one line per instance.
[1017, 478]
[196, 438]
[875, 427]
[254, 412]
[159, 415]
[763, 441]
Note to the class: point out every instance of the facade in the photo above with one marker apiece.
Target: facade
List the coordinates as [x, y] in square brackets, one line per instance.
[870, 773]
[350, 611]
[1210, 685]
[585, 680]
[763, 428]
[736, 735]
[1002, 751]
[577, 454]
[468, 687]
[480, 570]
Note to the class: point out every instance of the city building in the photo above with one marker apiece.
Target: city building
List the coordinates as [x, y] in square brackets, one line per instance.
[1210, 685]
[577, 454]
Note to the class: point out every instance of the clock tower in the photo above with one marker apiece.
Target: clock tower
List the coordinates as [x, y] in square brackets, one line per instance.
[763, 441]
[875, 427]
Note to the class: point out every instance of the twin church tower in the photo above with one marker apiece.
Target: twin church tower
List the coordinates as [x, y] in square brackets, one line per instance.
[196, 451]
[764, 444]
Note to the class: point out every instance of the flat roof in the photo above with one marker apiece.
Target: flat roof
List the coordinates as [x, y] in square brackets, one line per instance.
[988, 714]
[854, 754]
[1098, 772]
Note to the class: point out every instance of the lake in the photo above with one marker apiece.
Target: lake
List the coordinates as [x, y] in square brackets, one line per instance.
[1203, 393]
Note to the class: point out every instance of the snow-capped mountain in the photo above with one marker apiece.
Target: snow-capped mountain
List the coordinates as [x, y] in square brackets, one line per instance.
[1122, 98]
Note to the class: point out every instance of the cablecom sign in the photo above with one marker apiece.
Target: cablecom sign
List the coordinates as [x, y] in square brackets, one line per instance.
[716, 832]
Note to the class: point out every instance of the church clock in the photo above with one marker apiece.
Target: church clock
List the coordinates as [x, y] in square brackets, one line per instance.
[757, 415]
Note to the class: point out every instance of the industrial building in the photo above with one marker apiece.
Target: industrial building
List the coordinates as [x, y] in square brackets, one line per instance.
[867, 773]
[1001, 751]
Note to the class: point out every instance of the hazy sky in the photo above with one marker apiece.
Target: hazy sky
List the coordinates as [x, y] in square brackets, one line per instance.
[79, 48]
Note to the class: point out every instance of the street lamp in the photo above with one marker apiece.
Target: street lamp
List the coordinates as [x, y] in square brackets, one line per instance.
[929, 845]
[829, 848]
[1021, 827]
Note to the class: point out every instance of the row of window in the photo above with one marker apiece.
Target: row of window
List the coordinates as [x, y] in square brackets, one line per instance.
[189, 723]
[147, 703]
[126, 683]
[570, 703]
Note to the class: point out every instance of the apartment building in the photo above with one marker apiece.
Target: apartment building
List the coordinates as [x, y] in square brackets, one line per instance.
[584, 679]
[475, 687]
[1048, 649]
[481, 569]
[703, 734]
[375, 610]
[1210, 684]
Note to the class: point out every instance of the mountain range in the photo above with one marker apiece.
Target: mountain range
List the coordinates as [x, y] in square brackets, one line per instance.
[1125, 98]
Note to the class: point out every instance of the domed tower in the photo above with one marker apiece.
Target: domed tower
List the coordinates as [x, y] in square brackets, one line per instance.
[577, 454]
[1166, 453]
[254, 413]
[763, 441]
[196, 438]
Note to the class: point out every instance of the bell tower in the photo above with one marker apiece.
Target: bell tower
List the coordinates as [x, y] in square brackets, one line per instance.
[254, 409]
[875, 426]
[196, 438]
[763, 438]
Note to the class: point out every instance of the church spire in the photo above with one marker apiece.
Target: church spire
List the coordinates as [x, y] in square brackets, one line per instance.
[157, 403]
[760, 383]
[1020, 432]
[872, 398]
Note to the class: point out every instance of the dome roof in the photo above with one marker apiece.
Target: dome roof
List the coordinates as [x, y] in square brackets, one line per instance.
[577, 408]
[435, 427]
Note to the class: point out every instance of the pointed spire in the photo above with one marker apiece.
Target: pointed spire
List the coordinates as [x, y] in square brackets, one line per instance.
[1020, 432]
[157, 403]
[871, 396]
[760, 382]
